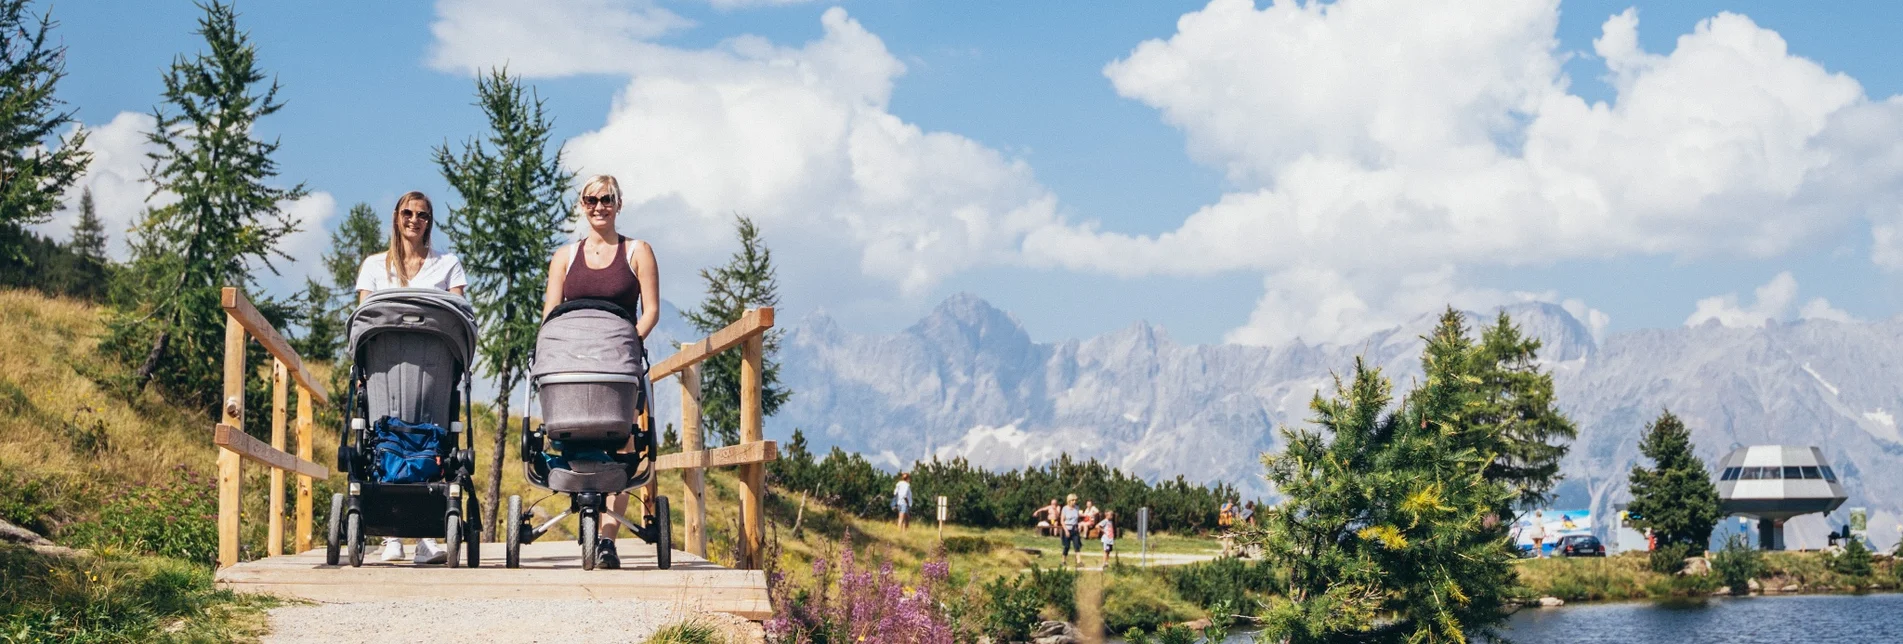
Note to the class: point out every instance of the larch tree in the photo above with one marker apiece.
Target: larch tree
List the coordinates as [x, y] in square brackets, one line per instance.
[1389, 530]
[227, 214]
[746, 281]
[513, 214]
[1675, 497]
[35, 168]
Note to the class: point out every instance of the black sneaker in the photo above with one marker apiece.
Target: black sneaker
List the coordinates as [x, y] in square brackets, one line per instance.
[605, 556]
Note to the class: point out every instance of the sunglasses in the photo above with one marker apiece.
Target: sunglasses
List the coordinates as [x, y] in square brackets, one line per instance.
[414, 214]
[604, 199]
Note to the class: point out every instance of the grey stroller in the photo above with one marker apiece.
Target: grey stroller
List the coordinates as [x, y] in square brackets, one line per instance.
[590, 375]
[403, 447]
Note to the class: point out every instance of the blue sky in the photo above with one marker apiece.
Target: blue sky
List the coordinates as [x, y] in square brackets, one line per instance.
[1069, 173]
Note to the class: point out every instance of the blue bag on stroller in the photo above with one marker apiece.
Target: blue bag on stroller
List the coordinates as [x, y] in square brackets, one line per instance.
[409, 453]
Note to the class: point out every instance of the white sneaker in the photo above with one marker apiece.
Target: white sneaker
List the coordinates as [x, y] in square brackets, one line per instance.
[427, 552]
[392, 550]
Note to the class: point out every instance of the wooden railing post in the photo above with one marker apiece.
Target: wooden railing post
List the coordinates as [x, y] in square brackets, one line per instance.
[305, 436]
[694, 503]
[280, 399]
[752, 475]
[229, 475]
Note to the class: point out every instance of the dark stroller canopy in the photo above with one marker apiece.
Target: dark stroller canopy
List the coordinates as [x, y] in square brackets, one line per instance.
[417, 310]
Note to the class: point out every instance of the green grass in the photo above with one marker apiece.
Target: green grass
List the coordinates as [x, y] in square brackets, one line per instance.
[688, 632]
[1627, 577]
[109, 597]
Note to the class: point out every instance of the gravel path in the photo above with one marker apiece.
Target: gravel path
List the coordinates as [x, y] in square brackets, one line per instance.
[487, 620]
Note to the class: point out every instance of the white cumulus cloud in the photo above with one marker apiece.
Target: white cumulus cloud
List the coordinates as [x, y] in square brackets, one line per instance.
[1772, 301]
[121, 196]
[1379, 138]
[799, 139]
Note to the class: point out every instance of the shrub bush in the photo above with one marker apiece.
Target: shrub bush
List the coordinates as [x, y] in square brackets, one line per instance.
[1013, 607]
[1128, 606]
[1225, 580]
[964, 545]
[1854, 562]
[174, 518]
[1669, 558]
[1737, 564]
[1056, 589]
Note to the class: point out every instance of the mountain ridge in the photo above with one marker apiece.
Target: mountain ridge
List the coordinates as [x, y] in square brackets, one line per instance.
[968, 380]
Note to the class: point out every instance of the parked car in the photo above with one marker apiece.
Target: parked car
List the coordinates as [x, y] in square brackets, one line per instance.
[1580, 545]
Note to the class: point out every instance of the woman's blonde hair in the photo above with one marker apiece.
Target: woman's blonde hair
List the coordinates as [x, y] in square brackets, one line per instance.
[397, 260]
[1070, 498]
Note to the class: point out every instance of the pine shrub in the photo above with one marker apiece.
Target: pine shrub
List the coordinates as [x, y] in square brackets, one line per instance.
[1737, 564]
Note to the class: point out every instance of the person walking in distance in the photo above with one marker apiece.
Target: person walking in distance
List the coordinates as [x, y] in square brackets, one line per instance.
[1073, 542]
[902, 497]
[1538, 533]
[1108, 525]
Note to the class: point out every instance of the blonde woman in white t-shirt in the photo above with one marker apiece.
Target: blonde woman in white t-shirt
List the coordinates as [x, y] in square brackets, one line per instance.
[411, 263]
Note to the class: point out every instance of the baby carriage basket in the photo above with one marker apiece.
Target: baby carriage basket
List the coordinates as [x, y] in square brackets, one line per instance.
[403, 445]
[590, 375]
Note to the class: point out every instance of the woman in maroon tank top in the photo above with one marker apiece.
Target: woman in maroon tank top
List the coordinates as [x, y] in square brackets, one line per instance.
[604, 265]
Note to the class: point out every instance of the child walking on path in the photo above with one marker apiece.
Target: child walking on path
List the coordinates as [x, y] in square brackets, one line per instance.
[1109, 527]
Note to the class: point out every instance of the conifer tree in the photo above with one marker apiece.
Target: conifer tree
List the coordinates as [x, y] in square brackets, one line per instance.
[227, 215]
[1514, 414]
[1518, 400]
[89, 234]
[511, 221]
[747, 281]
[83, 270]
[1389, 530]
[1675, 497]
[33, 174]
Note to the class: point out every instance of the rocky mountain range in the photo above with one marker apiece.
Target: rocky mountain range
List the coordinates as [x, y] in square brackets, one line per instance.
[968, 381]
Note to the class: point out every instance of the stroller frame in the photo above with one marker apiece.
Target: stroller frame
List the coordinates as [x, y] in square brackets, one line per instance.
[590, 506]
[447, 509]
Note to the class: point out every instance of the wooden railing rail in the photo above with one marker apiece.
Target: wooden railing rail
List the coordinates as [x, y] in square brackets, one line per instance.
[751, 454]
[243, 322]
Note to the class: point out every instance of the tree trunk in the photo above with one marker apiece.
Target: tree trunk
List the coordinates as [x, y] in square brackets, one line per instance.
[493, 490]
[151, 363]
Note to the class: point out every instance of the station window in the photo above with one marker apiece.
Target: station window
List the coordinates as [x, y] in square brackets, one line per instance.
[1812, 473]
[1829, 475]
[1793, 472]
[1731, 474]
[1749, 474]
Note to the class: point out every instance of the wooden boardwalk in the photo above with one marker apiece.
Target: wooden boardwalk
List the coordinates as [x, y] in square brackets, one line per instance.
[550, 570]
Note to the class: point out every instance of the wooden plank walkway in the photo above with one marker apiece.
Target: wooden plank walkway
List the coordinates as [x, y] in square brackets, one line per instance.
[550, 570]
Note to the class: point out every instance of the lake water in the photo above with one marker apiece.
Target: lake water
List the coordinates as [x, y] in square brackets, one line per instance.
[1823, 619]
[1819, 619]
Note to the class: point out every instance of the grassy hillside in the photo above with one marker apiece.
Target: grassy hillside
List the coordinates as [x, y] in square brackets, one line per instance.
[126, 477]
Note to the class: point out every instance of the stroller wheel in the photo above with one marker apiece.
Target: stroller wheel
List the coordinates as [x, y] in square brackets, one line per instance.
[512, 557]
[453, 539]
[353, 533]
[662, 523]
[588, 541]
[334, 540]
